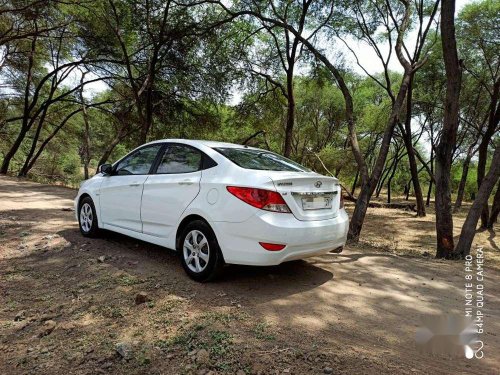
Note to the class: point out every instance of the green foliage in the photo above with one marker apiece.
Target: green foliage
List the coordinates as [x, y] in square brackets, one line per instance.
[181, 62]
[261, 331]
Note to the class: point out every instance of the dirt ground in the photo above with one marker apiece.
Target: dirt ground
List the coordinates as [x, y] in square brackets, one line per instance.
[67, 303]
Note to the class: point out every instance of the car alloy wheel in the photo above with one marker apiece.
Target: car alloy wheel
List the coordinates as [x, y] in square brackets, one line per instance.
[196, 251]
[86, 217]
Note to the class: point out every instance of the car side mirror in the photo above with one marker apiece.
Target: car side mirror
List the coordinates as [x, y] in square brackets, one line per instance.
[106, 169]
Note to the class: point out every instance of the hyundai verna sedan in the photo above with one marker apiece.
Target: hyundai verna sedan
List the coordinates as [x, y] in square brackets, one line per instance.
[215, 203]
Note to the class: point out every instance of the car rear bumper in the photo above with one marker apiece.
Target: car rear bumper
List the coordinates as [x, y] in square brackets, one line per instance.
[239, 242]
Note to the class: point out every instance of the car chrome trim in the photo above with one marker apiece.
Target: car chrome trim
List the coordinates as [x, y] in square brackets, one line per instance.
[314, 193]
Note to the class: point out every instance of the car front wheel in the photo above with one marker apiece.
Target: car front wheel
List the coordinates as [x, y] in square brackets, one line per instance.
[87, 218]
[200, 253]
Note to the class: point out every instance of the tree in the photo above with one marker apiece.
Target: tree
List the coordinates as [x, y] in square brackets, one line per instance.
[469, 227]
[85, 154]
[369, 16]
[400, 16]
[162, 46]
[444, 150]
[283, 52]
[399, 19]
[17, 20]
[38, 73]
[479, 46]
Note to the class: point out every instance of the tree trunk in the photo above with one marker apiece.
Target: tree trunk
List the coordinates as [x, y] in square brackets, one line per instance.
[108, 151]
[381, 181]
[26, 112]
[359, 213]
[429, 194]
[481, 167]
[48, 139]
[444, 150]
[353, 189]
[111, 146]
[143, 135]
[148, 116]
[368, 187]
[469, 227]
[411, 153]
[495, 209]
[393, 173]
[463, 180]
[429, 191]
[407, 191]
[86, 131]
[483, 148]
[86, 149]
[349, 109]
[12, 151]
[290, 116]
[41, 121]
[24, 170]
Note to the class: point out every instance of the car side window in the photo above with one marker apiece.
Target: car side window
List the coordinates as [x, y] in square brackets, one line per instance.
[179, 159]
[139, 162]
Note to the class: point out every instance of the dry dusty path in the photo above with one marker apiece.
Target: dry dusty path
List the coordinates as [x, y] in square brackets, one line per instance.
[66, 302]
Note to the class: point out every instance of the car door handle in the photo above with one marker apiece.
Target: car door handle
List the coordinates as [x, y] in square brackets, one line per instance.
[135, 185]
[185, 182]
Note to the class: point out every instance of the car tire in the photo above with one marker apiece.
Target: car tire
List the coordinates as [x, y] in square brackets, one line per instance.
[87, 218]
[199, 251]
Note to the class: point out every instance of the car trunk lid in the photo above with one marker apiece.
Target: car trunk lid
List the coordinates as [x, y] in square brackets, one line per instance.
[310, 196]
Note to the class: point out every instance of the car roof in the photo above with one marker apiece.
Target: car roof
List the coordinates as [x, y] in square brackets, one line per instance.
[195, 142]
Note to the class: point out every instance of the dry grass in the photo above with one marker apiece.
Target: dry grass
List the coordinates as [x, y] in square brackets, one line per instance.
[402, 232]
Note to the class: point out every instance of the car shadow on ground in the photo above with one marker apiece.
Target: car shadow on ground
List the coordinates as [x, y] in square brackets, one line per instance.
[145, 259]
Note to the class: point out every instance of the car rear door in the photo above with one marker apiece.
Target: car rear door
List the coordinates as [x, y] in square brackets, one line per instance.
[170, 189]
[120, 193]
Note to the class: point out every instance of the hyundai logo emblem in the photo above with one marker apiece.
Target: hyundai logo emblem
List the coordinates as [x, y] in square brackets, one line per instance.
[318, 184]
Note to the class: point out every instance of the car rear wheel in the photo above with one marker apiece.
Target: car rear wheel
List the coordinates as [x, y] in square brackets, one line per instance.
[87, 218]
[199, 251]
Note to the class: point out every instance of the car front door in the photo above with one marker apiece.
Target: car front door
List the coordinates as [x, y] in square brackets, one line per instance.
[120, 193]
[170, 189]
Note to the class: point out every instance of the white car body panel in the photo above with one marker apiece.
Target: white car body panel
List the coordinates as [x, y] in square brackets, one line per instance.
[153, 209]
[120, 201]
[304, 239]
[162, 205]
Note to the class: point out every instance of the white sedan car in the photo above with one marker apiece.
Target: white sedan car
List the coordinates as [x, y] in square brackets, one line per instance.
[215, 203]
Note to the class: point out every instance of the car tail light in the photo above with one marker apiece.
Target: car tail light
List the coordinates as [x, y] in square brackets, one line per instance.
[264, 199]
[272, 246]
[341, 200]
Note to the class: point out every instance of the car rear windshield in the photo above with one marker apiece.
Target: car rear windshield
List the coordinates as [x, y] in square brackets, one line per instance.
[261, 160]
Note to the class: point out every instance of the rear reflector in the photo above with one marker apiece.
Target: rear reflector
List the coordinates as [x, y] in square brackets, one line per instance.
[264, 199]
[272, 246]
